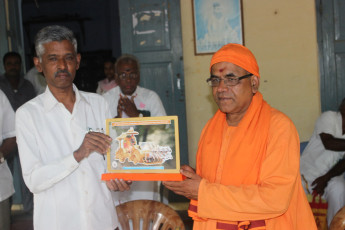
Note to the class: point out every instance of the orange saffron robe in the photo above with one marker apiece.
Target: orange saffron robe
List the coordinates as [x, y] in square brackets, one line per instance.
[250, 174]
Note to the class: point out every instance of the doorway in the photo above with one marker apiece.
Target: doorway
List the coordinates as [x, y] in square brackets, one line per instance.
[331, 41]
[97, 30]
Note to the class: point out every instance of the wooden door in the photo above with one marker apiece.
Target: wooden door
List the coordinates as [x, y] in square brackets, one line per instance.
[151, 30]
[11, 38]
[331, 40]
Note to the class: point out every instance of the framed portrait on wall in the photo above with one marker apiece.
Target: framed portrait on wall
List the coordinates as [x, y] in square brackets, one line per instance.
[216, 23]
[146, 146]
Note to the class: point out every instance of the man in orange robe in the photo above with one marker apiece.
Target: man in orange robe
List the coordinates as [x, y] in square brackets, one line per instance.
[247, 173]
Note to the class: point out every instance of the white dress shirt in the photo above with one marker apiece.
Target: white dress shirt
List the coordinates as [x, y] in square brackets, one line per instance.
[148, 100]
[6, 131]
[37, 80]
[67, 194]
[144, 99]
[316, 160]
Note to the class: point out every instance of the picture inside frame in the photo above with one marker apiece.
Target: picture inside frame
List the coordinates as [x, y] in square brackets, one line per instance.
[216, 23]
[143, 145]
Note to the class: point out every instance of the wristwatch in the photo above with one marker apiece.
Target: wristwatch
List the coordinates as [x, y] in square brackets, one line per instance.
[144, 113]
[2, 158]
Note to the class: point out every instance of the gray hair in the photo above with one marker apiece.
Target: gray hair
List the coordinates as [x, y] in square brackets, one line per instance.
[127, 58]
[51, 34]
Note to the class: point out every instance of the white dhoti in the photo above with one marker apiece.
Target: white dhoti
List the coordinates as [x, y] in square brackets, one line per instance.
[334, 195]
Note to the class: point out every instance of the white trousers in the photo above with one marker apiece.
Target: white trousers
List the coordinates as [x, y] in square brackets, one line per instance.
[335, 196]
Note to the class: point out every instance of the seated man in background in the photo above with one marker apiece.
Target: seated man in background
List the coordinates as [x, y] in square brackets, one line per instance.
[322, 161]
[7, 145]
[247, 167]
[130, 100]
[109, 81]
[18, 91]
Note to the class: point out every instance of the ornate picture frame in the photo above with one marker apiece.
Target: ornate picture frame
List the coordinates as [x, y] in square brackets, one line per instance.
[143, 145]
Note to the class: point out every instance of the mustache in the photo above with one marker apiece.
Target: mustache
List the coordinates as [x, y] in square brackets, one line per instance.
[62, 71]
[222, 95]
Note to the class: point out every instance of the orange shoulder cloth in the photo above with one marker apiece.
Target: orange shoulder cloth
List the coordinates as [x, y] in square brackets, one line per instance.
[245, 152]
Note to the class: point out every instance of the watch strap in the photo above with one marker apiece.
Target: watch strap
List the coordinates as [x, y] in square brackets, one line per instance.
[2, 158]
[145, 113]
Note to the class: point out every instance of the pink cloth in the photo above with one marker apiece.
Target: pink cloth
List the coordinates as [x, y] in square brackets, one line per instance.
[105, 85]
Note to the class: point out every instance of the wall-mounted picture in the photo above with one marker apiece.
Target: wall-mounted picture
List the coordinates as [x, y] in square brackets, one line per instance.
[216, 23]
[143, 145]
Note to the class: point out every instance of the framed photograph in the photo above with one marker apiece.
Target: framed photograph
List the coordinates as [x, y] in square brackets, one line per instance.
[216, 23]
[143, 145]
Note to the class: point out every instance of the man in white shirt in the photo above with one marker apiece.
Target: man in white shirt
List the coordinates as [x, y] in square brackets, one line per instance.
[7, 145]
[130, 100]
[37, 80]
[323, 162]
[61, 152]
